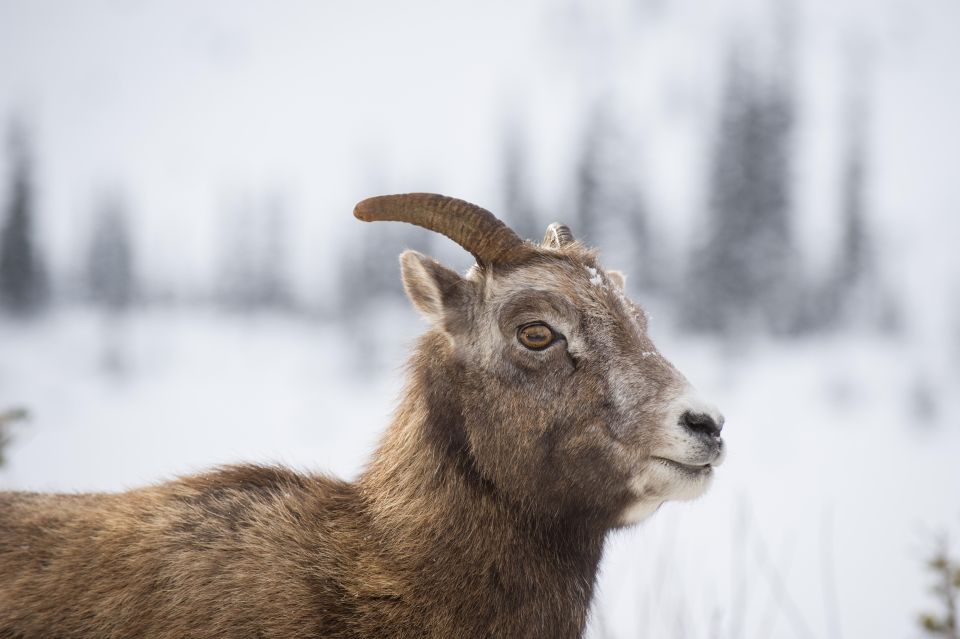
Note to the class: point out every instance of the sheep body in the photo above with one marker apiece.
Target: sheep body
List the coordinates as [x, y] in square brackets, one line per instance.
[415, 548]
[537, 417]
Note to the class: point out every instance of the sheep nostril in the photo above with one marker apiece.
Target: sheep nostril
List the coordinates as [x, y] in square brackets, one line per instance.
[701, 423]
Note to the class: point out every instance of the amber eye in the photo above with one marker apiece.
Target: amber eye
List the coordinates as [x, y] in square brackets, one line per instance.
[536, 336]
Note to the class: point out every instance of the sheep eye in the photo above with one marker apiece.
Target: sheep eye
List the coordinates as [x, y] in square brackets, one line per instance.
[536, 336]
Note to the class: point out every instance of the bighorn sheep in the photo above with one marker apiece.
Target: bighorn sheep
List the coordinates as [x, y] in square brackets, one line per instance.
[537, 417]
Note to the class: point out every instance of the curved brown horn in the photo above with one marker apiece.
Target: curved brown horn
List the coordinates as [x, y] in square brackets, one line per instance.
[472, 227]
[557, 235]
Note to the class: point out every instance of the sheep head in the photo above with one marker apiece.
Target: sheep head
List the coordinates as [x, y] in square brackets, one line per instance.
[569, 409]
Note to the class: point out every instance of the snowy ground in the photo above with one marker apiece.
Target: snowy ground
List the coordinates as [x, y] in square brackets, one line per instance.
[843, 457]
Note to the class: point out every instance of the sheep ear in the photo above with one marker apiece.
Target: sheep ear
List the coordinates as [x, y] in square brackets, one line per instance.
[618, 278]
[431, 286]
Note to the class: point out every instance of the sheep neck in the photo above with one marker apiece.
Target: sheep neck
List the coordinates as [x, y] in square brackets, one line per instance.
[452, 543]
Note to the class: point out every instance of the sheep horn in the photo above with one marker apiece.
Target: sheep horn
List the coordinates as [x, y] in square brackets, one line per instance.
[472, 227]
[557, 235]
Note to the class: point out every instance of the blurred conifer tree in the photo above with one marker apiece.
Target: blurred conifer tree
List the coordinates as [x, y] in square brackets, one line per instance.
[743, 272]
[23, 282]
[609, 207]
[109, 264]
[519, 208]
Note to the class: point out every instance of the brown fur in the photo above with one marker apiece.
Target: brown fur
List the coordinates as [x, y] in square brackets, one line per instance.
[482, 513]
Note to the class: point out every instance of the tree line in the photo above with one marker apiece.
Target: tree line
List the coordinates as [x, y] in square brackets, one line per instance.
[743, 273]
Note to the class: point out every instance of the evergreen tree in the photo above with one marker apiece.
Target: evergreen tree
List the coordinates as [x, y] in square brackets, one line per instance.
[237, 268]
[369, 279]
[370, 272]
[519, 210]
[23, 283]
[854, 291]
[253, 265]
[609, 208]
[588, 176]
[856, 255]
[109, 269]
[853, 272]
[8, 417]
[743, 272]
[272, 277]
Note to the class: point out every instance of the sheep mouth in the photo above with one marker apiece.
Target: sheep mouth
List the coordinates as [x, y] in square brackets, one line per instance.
[689, 470]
